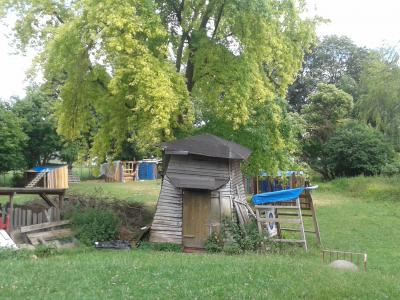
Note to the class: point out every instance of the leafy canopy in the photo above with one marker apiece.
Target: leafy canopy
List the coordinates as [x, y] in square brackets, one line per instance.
[379, 103]
[35, 112]
[12, 140]
[356, 149]
[147, 71]
[334, 60]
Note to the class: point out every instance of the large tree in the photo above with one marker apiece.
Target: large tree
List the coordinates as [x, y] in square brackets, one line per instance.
[326, 110]
[379, 103]
[146, 71]
[35, 111]
[12, 140]
[334, 60]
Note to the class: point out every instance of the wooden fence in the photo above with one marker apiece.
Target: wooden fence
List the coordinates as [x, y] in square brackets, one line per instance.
[22, 216]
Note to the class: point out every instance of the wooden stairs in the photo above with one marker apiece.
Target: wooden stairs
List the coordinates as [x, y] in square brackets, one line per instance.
[35, 180]
[72, 178]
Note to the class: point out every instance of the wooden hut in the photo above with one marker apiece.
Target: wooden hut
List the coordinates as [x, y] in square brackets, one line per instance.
[201, 179]
[48, 176]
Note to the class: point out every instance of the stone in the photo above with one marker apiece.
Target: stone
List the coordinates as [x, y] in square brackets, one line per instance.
[344, 265]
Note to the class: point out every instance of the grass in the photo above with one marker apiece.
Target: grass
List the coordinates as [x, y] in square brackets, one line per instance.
[358, 214]
[137, 191]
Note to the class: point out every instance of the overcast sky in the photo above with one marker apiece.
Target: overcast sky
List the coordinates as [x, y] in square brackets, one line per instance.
[368, 23]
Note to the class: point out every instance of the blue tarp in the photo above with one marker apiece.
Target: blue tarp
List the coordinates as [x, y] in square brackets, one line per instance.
[41, 169]
[278, 196]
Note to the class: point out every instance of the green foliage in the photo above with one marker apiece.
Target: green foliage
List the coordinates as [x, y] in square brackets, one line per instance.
[379, 103]
[146, 72]
[246, 238]
[35, 111]
[9, 255]
[18, 180]
[95, 225]
[327, 108]
[334, 60]
[215, 242]
[166, 247]
[45, 251]
[12, 140]
[356, 149]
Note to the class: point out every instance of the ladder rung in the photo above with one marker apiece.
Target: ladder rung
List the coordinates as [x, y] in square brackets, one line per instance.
[287, 241]
[292, 214]
[279, 220]
[276, 207]
[297, 230]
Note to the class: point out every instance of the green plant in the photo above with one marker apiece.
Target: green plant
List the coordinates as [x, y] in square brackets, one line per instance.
[215, 242]
[167, 247]
[45, 250]
[232, 249]
[94, 224]
[17, 180]
[246, 237]
[356, 149]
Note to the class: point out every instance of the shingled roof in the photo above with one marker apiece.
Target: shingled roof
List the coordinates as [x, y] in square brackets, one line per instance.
[207, 145]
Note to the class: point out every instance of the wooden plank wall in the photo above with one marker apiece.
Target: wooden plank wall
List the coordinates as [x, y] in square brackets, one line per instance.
[191, 165]
[237, 180]
[58, 178]
[25, 217]
[167, 222]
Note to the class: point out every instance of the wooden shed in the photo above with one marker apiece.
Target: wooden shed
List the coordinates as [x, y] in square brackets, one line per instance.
[201, 178]
[49, 176]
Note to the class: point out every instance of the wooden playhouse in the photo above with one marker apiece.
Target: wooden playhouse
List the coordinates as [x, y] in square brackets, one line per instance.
[48, 176]
[201, 183]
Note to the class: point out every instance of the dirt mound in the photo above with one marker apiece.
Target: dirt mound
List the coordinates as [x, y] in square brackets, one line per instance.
[133, 215]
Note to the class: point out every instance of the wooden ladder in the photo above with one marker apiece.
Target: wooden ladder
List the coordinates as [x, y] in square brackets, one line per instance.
[290, 212]
[36, 179]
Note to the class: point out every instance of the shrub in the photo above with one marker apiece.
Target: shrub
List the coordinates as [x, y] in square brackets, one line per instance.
[167, 247]
[17, 180]
[45, 251]
[215, 243]
[247, 238]
[93, 224]
[356, 149]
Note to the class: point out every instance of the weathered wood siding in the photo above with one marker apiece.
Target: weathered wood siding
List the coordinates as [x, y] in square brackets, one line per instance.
[192, 165]
[167, 222]
[237, 179]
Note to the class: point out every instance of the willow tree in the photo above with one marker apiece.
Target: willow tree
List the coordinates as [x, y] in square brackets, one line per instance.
[147, 70]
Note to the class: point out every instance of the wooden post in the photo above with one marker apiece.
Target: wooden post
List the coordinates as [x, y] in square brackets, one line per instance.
[60, 205]
[314, 217]
[11, 212]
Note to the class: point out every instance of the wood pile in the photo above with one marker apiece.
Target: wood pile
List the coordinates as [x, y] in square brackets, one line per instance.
[46, 233]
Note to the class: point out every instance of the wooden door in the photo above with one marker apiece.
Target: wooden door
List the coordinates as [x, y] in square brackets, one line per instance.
[196, 215]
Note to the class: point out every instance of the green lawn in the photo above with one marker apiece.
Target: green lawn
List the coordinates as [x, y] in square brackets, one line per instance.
[359, 214]
[137, 191]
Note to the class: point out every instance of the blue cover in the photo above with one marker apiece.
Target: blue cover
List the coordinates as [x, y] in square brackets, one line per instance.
[278, 196]
[147, 171]
[41, 169]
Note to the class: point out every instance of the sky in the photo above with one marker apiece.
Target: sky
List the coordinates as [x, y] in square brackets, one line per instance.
[368, 23]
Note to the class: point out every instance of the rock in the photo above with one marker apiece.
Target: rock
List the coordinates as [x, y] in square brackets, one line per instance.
[344, 265]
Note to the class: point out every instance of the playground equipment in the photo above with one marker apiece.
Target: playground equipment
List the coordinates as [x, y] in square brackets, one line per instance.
[274, 209]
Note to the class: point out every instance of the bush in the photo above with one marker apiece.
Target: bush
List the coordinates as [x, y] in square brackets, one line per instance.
[17, 180]
[235, 239]
[93, 224]
[45, 251]
[167, 247]
[356, 149]
[215, 243]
